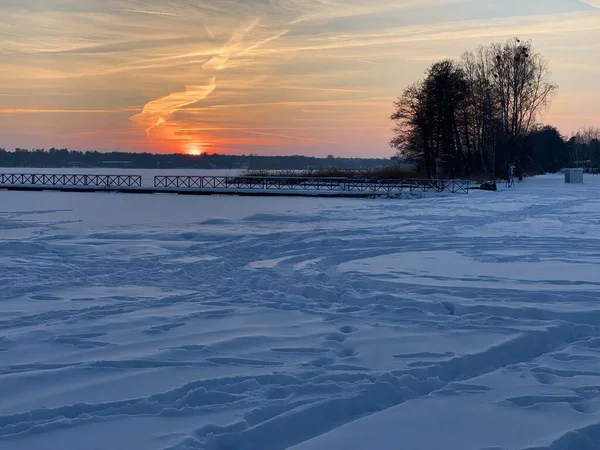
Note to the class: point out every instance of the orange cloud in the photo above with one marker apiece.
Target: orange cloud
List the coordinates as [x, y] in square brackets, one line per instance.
[157, 112]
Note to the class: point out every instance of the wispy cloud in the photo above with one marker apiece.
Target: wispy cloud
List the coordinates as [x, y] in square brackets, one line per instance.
[363, 61]
[319, 89]
[286, 136]
[157, 112]
[152, 13]
[324, 10]
[15, 111]
[592, 3]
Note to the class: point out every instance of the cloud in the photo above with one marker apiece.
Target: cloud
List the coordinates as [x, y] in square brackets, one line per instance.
[157, 112]
[448, 31]
[326, 10]
[285, 136]
[231, 47]
[309, 88]
[13, 111]
[154, 13]
[592, 3]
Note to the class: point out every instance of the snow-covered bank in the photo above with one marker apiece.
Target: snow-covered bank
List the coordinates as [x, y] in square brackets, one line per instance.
[458, 322]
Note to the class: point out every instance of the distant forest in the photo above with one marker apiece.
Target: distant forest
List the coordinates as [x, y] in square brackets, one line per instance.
[476, 115]
[71, 158]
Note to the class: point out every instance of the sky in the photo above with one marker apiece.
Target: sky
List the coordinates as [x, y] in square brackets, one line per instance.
[314, 77]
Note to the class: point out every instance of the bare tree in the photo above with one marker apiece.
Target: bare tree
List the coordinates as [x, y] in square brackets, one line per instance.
[587, 146]
[413, 130]
[474, 114]
[479, 120]
[428, 117]
[521, 84]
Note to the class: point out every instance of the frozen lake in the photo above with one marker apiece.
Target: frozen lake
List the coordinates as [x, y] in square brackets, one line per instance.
[240, 323]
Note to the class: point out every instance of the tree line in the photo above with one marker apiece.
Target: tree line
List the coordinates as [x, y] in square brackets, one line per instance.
[476, 115]
[72, 158]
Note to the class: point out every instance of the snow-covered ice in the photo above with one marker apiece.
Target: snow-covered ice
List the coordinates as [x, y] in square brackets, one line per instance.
[463, 322]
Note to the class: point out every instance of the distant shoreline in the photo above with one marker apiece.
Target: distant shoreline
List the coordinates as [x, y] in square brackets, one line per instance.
[68, 159]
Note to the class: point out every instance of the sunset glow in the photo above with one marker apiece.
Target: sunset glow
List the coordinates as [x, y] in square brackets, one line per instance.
[194, 148]
[279, 77]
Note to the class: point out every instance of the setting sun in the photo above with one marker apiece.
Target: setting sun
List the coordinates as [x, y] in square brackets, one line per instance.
[194, 148]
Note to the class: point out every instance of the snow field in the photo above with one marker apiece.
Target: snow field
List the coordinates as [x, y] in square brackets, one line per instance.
[225, 323]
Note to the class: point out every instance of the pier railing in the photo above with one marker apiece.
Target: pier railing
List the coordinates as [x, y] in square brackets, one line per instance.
[231, 184]
[34, 179]
[342, 185]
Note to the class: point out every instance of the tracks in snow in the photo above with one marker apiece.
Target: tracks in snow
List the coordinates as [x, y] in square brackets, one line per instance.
[261, 326]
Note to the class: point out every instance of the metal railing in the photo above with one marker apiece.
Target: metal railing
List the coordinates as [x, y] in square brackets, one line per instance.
[341, 185]
[237, 183]
[35, 179]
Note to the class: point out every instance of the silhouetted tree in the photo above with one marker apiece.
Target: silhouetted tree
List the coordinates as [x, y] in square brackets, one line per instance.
[545, 150]
[479, 122]
[474, 115]
[587, 147]
[523, 90]
[428, 119]
[413, 131]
